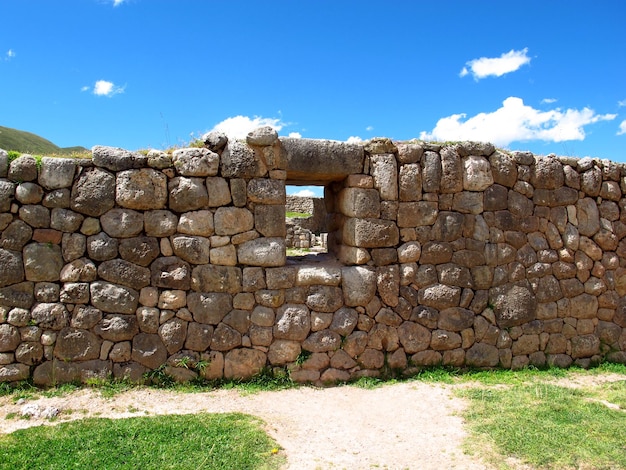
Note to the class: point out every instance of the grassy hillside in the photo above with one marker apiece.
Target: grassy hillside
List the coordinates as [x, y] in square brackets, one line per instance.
[26, 142]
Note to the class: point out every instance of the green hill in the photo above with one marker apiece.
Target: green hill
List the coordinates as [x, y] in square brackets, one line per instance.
[26, 142]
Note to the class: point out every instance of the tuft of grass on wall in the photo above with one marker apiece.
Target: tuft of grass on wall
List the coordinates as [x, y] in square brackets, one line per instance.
[202, 441]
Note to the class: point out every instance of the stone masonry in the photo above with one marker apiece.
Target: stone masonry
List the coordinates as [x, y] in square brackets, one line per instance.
[460, 254]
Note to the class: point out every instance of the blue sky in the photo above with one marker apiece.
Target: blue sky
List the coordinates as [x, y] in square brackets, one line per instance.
[547, 76]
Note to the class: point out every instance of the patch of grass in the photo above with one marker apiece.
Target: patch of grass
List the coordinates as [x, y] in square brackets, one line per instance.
[548, 426]
[297, 215]
[202, 441]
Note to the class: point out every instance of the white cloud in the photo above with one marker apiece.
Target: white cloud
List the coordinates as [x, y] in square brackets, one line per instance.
[9, 54]
[117, 3]
[548, 100]
[621, 103]
[304, 193]
[354, 139]
[106, 88]
[622, 128]
[369, 128]
[515, 121]
[295, 135]
[497, 66]
[85, 88]
[238, 127]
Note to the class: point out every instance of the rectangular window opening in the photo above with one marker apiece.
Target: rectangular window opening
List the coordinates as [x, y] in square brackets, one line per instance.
[306, 221]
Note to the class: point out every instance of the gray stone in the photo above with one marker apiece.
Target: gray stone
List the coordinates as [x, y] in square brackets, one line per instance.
[482, 355]
[148, 319]
[293, 322]
[547, 173]
[161, 223]
[170, 272]
[410, 182]
[101, 247]
[53, 316]
[431, 173]
[65, 220]
[442, 340]
[57, 198]
[384, 169]
[267, 191]
[513, 305]
[370, 233]
[262, 136]
[29, 193]
[413, 337]
[283, 352]
[585, 346]
[35, 216]
[359, 285]
[477, 174]
[85, 317]
[320, 161]
[75, 293]
[440, 296]
[7, 193]
[187, 194]
[322, 341]
[359, 203]
[16, 235]
[324, 298]
[210, 278]
[244, 363]
[42, 262]
[215, 140]
[9, 338]
[159, 160]
[199, 336]
[139, 250]
[122, 223]
[503, 169]
[148, 350]
[233, 220]
[209, 308]
[142, 189]
[266, 252]
[344, 321]
[588, 217]
[75, 344]
[29, 353]
[93, 193]
[193, 249]
[117, 328]
[417, 214]
[455, 319]
[14, 372]
[117, 159]
[238, 160]
[113, 298]
[173, 334]
[451, 170]
[225, 338]
[124, 273]
[196, 162]
[23, 168]
[11, 268]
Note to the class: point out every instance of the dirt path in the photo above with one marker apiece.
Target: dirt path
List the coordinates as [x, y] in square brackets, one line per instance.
[401, 426]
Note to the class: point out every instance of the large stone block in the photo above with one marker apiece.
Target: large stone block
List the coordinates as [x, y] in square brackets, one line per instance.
[122, 223]
[413, 337]
[148, 350]
[477, 175]
[93, 193]
[244, 363]
[267, 191]
[431, 172]
[74, 344]
[324, 298]
[11, 268]
[265, 251]
[193, 249]
[124, 273]
[384, 169]
[113, 298]
[238, 160]
[187, 194]
[117, 159]
[451, 171]
[210, 278]
[359, 203]
[196, 162]
[320, 161]
[117, 328]
[283, 352]
[269, 220]
[161, 223]
[370, 233]
[588, 217]
[42, 262]
[417, 214]
[410, 182]
[293, 322]
[359, 285]
[142, 189]
[482, 355]
[233, 220]
[170, 273]
[513, 304]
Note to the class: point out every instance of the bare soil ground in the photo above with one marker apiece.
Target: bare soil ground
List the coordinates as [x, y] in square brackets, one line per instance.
[410, 425]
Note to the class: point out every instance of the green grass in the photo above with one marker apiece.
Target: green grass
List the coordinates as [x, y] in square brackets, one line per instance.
[547, 425]
[297, 215]
[202, 441]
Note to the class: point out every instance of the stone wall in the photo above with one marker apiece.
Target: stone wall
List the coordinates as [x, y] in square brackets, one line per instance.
[460, 254]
